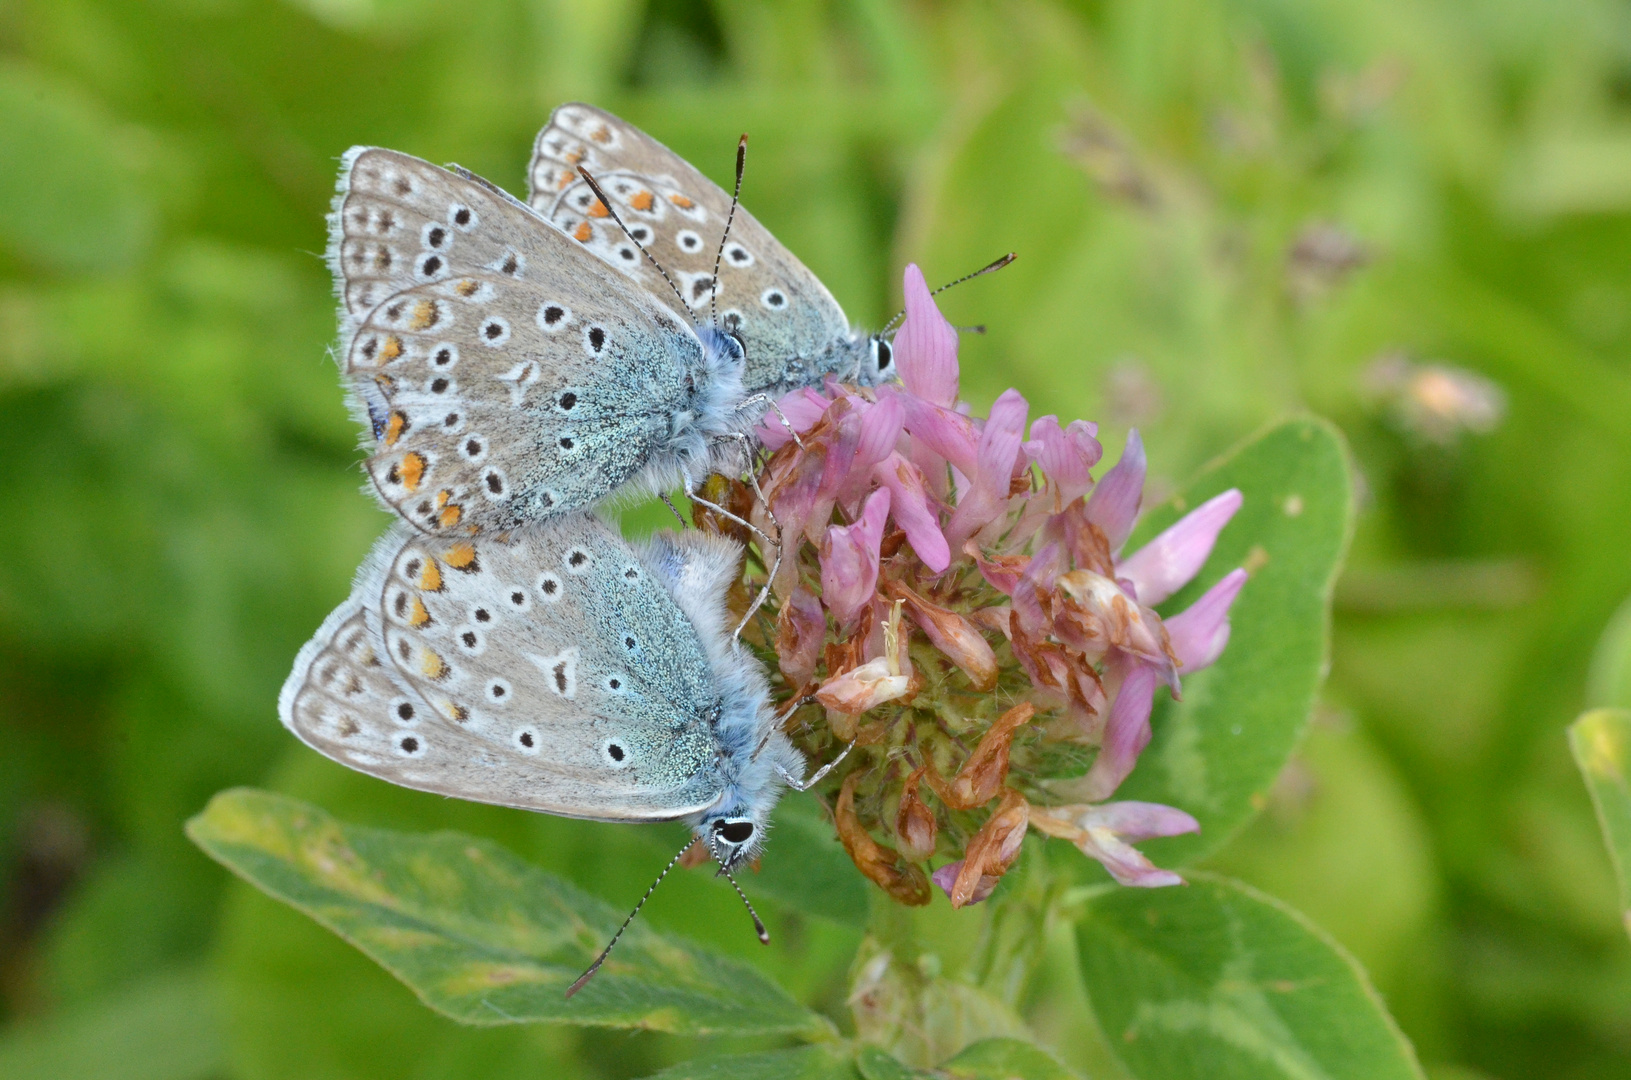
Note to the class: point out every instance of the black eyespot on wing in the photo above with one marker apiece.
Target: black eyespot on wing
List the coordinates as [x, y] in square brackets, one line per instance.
[526, 739]
[495, 483]
[442, 357]
[439, 385]
[469, 639]
[493, 330]
[553, 314]
[566, 442]
[450, 420]
[461, 216]
[567, 400]
[518, 598]
[615, 683]
[431, 264]
[511, 265]
[578, 558]
[615, 752]
[436, 236]
[483, 615]
[405, 711]
[409, 744]
[597, 338]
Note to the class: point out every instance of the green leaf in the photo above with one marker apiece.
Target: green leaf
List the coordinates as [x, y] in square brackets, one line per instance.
[876, 1063]
[1004, 1059]
[820, 1062]
[1216, 753]
[480, 935]
[1601, 741]
[1219, 981]
[164, 1028]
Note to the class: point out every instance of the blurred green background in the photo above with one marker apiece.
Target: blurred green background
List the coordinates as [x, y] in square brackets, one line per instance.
[1411, 216]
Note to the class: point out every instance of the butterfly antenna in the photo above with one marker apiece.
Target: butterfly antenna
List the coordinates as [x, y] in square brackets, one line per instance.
[601, 959]
[758, 924]
[741, 166]
[652, 259]
[987, 269]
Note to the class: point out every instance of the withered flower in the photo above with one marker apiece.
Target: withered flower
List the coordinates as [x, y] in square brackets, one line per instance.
[955, 596]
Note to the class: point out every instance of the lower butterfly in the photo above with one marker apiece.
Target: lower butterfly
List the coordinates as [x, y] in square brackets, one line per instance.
[562, 670]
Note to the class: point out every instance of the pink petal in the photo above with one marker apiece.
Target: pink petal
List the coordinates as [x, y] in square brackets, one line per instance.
[849, 560]
[880, 430]
[1199, 633]
[1125, 863]
[1126, 733]
[799, 642]
[802, 408]
[1039, 575]
[1165, 564]
[1138, 820]
[909, 506]
[987, 496]
[1066, 455]
[947, 433]
[1113, 506]
[926, 346]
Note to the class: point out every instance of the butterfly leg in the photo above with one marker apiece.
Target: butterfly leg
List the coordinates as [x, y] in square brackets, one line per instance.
[675, 511]
[820, 774]
[766, 399]
[776, 564]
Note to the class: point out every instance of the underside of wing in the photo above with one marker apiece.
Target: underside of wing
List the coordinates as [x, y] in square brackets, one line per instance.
[348, 700]
[503, 374]
[543, 651]
[787, 319]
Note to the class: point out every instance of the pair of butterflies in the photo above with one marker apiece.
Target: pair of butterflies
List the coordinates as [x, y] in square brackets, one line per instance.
[515, 365]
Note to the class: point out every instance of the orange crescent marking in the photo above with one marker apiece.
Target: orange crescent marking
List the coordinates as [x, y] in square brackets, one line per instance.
[391, 350]
[418, 618]
[413, 470]
[431, 579]
[460, 556]
[641, 200]
[583, 232]
[394, 428]
[450, 516]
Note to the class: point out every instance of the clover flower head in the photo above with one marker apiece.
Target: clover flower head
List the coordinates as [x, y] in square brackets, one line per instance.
[955, 599]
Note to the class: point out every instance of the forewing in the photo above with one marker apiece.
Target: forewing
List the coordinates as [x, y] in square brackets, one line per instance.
[787, 319]
[505, 374]
[559, 652]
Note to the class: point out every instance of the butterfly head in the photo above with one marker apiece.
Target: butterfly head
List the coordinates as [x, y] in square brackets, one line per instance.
[732, 840]
[875, 360]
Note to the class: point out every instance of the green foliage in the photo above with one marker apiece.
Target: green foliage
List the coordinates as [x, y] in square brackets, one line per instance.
[1601, 741]
[1218, 980]
[182, 508]
[479, 935]
[1216, 753]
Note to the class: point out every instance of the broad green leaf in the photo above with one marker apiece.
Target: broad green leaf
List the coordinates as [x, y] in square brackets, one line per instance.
[1215, 753]
[1004, 1059]
[876, 1063]
[479, 935]
[828, 1061]
[165, 1028]
[1601, 741]
[1221, 982]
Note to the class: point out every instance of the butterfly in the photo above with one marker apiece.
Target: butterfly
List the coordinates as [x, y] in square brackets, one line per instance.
[565, 671]
[511, 362]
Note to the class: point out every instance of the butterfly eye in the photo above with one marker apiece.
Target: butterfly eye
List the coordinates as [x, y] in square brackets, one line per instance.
[735, 832]
[884, 354]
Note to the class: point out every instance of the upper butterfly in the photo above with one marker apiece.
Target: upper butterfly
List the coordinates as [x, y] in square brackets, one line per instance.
[506, 373]
[794, 332]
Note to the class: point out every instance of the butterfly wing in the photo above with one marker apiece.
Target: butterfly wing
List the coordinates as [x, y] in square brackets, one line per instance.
[504, 373]
[794, 331]
[502, 673]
